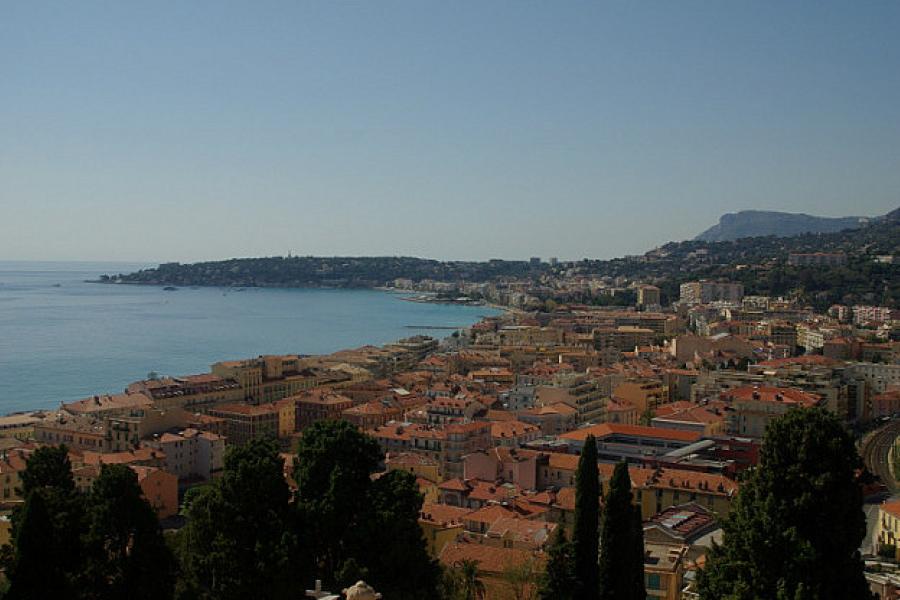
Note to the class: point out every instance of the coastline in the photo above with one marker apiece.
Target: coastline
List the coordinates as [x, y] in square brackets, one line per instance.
[102, 339]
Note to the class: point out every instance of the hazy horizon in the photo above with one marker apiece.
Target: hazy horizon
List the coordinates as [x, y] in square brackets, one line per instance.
[205, 131]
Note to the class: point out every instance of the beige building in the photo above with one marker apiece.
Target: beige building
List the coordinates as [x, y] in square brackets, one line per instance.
[12, 463]
[887, 529]
[320, 405]
[579, 391]
[755, 406]
[648, 295]
[107, 405]
[643, 394]
[190, 454]
[192, 392]
[20, 427]
[706, 292]
[287, 417]
[269, 378]
[624, 337]
[664, 570]
[246, 422]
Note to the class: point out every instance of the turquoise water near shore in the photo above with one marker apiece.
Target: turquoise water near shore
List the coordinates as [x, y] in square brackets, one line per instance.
[62, 339]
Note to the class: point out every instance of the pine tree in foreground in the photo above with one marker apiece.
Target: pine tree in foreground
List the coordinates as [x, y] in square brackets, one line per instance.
[585, 539]
[621, 542]
[796, 526]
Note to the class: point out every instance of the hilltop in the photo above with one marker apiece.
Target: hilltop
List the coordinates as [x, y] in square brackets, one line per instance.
[759, 223]
[760, 263]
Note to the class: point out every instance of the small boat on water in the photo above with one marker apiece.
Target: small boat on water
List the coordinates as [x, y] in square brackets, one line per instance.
[170, 288]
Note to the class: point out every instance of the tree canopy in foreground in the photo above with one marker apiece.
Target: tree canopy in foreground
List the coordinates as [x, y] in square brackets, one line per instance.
[795, 528]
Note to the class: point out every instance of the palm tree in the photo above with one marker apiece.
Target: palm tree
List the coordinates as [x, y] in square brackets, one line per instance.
[472, 587]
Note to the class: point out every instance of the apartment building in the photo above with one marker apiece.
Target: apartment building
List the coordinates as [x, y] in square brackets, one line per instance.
[706, 292]
[320, 405]
[648, 295]
[190, 454]
[579, 391]
[462, 439]
[245, 422]
[643, 393]
[191, 392]
[269, 378]
[624, 337]
[755, 406]
[817, 259]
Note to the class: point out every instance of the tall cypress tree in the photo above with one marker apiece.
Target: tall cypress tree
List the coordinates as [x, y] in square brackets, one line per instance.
[621, 542]
[796, 526]
[585, 539]
[558, 582]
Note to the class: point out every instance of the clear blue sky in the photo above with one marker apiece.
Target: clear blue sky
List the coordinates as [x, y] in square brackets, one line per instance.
[202, 130]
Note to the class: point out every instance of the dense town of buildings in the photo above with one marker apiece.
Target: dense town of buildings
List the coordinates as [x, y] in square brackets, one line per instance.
[491, 420]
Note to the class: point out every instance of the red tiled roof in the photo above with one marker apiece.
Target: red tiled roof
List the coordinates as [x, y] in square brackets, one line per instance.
[773, 394]
[442, 514]
[490, 559]
[801, 360]
[511, 429]
[609, 429]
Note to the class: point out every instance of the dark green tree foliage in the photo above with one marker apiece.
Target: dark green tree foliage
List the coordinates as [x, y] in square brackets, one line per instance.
[334, 465]
[587, 521]
[45, 559]
[31, 568]
[796, 526]
[48, 467]
[621, 542]
[402, 568]
[345, 516]
[558, 582]
[239, 541]
[127, 555]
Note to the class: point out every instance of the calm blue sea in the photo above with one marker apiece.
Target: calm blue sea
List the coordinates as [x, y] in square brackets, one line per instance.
[62, 339]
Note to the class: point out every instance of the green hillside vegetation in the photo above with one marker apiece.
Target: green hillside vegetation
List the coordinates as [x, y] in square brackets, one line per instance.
[309, 271]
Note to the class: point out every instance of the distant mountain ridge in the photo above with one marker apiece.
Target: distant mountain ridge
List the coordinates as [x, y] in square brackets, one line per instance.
[761, 223]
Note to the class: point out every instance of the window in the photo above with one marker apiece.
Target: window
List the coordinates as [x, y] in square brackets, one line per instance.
[653, 581]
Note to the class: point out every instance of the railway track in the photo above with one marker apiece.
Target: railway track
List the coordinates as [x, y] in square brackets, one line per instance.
[875, 449]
